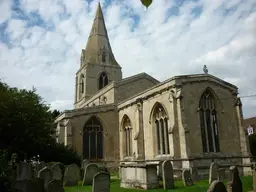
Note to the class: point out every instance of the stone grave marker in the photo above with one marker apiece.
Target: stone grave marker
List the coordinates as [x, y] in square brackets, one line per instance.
[46, 175]
[187, 178]
[221, 174]
[38, 184]
[72, 175]
[194, 174]
[56, 172]
[101, 182]
[217, 186]
[167, 175]
[213, 174]
[55, 186]
[85, 163]
[38, 167]
[89, 172]
[24, 171]
[236, 184]
[24, 185]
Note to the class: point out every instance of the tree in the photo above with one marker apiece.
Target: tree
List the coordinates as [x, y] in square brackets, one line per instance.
[55, 113]
[27, 126]
[25, 121]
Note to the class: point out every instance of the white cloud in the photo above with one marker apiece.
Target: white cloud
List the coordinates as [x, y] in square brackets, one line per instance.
[5, 10]
[165, 40]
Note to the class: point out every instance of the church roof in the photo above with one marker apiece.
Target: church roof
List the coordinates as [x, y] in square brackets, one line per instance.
[98, 41]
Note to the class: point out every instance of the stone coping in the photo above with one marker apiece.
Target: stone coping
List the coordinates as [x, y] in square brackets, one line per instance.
[191, 159]
[137, 165]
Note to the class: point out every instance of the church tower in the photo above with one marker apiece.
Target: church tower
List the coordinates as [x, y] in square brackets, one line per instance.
[98, 66]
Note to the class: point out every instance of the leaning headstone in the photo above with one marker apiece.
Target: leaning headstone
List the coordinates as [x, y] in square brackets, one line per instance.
[89, 172]
[46, 175]
[85, 163]
[213, 174]
[23, 185]
[24, 171]
[55, 186]
[56, 172]
[101, 182]
[194, 174]
[72, 175]
[187, 178]
[221, 174]
[167, 172]
[217, 186]
[236, 183]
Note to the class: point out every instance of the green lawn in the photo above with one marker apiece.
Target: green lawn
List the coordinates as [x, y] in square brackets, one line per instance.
[202, 186]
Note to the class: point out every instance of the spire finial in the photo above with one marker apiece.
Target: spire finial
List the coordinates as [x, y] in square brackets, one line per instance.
[205, 69]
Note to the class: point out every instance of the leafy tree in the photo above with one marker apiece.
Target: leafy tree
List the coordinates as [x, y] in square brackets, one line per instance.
[27, 126]
[55, 113]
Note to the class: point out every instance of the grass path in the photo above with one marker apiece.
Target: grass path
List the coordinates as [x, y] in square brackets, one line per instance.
[202, 186]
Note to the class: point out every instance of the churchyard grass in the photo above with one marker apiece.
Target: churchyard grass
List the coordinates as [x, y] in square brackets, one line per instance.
[201, 186]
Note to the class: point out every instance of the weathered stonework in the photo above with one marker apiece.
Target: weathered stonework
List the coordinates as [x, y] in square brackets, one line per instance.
[138, 98]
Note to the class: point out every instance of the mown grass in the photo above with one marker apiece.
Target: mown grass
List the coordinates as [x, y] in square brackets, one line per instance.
[201, 186]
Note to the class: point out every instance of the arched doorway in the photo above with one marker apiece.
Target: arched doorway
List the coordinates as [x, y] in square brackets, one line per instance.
[93, 139]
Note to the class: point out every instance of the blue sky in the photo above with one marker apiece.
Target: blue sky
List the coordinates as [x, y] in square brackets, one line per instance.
[41, 42]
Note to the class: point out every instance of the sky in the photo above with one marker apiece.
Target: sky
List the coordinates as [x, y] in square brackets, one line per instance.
[41, 42]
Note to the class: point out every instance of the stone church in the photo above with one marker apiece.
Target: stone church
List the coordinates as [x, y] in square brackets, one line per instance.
[192, 120]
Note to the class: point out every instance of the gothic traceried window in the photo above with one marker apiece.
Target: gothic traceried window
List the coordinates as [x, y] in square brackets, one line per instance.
[209, 123]
[161, 130]
[103, 80]
[127, 136]
[93, 139]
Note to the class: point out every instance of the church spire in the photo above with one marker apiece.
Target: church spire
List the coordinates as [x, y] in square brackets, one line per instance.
[98, 49]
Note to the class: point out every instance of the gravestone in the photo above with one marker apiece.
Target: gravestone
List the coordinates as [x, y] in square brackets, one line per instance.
[89, 172]
[159, 170]
[56, 172]
[38, 184]
[72, 175]
[236, 183]
[167, 175]
[213, 174]
[55, 186]
[38, 167]
[221, 174]
[194, 174]
[85, 163]
[187, 178]
[46, 175]
[24, 171]
[101, 182]
[217, 186]
[24, 185]
[232, 169]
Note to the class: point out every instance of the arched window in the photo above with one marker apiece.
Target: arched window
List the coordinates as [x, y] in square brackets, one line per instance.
[209, 123]
[127, 135]
[93, 139]
[161, 129]
[103, 80]
[82, 84]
